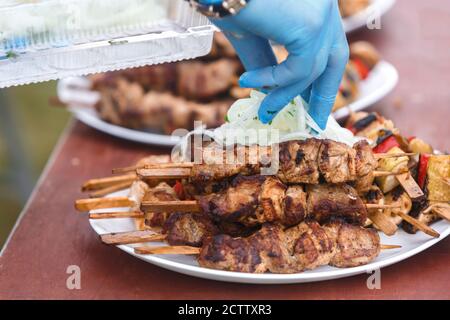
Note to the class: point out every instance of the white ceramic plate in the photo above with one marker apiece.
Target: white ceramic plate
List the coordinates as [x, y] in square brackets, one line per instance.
[411, 245]
[75, 92]
[376, 9]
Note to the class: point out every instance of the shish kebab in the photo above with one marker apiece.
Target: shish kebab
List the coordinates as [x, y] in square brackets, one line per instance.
[278, 250]
[273, 248]
[251, 201]
[299, 162]
[431, 194]
[168, 171]
[254, 200]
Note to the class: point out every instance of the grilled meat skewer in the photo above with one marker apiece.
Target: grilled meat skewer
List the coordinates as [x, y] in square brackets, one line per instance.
[299, 162]
[278, 250]
[253, 200]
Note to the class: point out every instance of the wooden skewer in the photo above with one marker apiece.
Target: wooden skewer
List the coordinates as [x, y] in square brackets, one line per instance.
[188, 165]
[382, 206]
[178, 165]
[126, 169]
[164, 173]
[389, 246]
[382, 222]
[442, 211]
[182, 173]
[393, 155]
[131, 237]
[112, 215]
[168, 250]
[196, 251]
[409, 185]
[436, 205]
[95, 184]
[386, 173]
[116, 187]
[418, 224]
[193, 206]
[170, 206]
[103, 203]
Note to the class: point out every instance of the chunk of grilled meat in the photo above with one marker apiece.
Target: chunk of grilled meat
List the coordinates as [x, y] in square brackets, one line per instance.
[337, 162]
[299, 161]
[191, 229]
[327, 202]
[253, 200]
[355, 246]
[137, 193]
[218, 163]
[365, 163]
[162, 192]
[303, 247]
[188, 229]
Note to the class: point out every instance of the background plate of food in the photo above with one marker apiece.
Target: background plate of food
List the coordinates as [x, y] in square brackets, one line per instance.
[358, 13]
[147, 104]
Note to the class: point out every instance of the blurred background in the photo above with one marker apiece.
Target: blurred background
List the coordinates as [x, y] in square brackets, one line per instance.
[29, 129]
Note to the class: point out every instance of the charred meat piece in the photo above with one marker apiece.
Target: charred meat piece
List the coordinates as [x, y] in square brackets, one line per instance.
[312, 245]
[294, 206]
[355, 246]
[137, 192]
[218, 163]
[365, 163]
[162, 192]
[184, 229]
[298, 161]
[239, 202]
[329, 202]
[337, 162]
[365, 160]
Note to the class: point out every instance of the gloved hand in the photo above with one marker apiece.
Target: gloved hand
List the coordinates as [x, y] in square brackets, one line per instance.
[311, 31]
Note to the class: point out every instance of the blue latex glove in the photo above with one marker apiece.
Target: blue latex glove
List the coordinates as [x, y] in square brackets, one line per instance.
[311, 31]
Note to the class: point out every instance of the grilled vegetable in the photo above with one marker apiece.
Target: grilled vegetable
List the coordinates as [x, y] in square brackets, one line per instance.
[398, 164]
[422, 170]
[386, 144]
[419, 146]
[438, 176]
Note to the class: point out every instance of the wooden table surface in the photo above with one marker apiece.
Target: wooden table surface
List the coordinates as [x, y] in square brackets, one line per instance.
[50, 235]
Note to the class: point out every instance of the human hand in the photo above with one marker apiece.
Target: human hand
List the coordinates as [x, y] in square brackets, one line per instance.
[312, 33]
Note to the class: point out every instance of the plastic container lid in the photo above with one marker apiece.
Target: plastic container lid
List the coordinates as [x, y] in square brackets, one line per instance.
[52, 39]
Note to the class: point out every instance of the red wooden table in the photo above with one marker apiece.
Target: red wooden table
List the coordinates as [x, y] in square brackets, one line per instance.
[50, 235]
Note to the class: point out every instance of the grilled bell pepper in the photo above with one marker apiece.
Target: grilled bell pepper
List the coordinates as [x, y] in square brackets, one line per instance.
[386, 145]
[179, 189]
[422, 172]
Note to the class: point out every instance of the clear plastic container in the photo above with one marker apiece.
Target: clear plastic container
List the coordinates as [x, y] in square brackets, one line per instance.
[52, 39]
